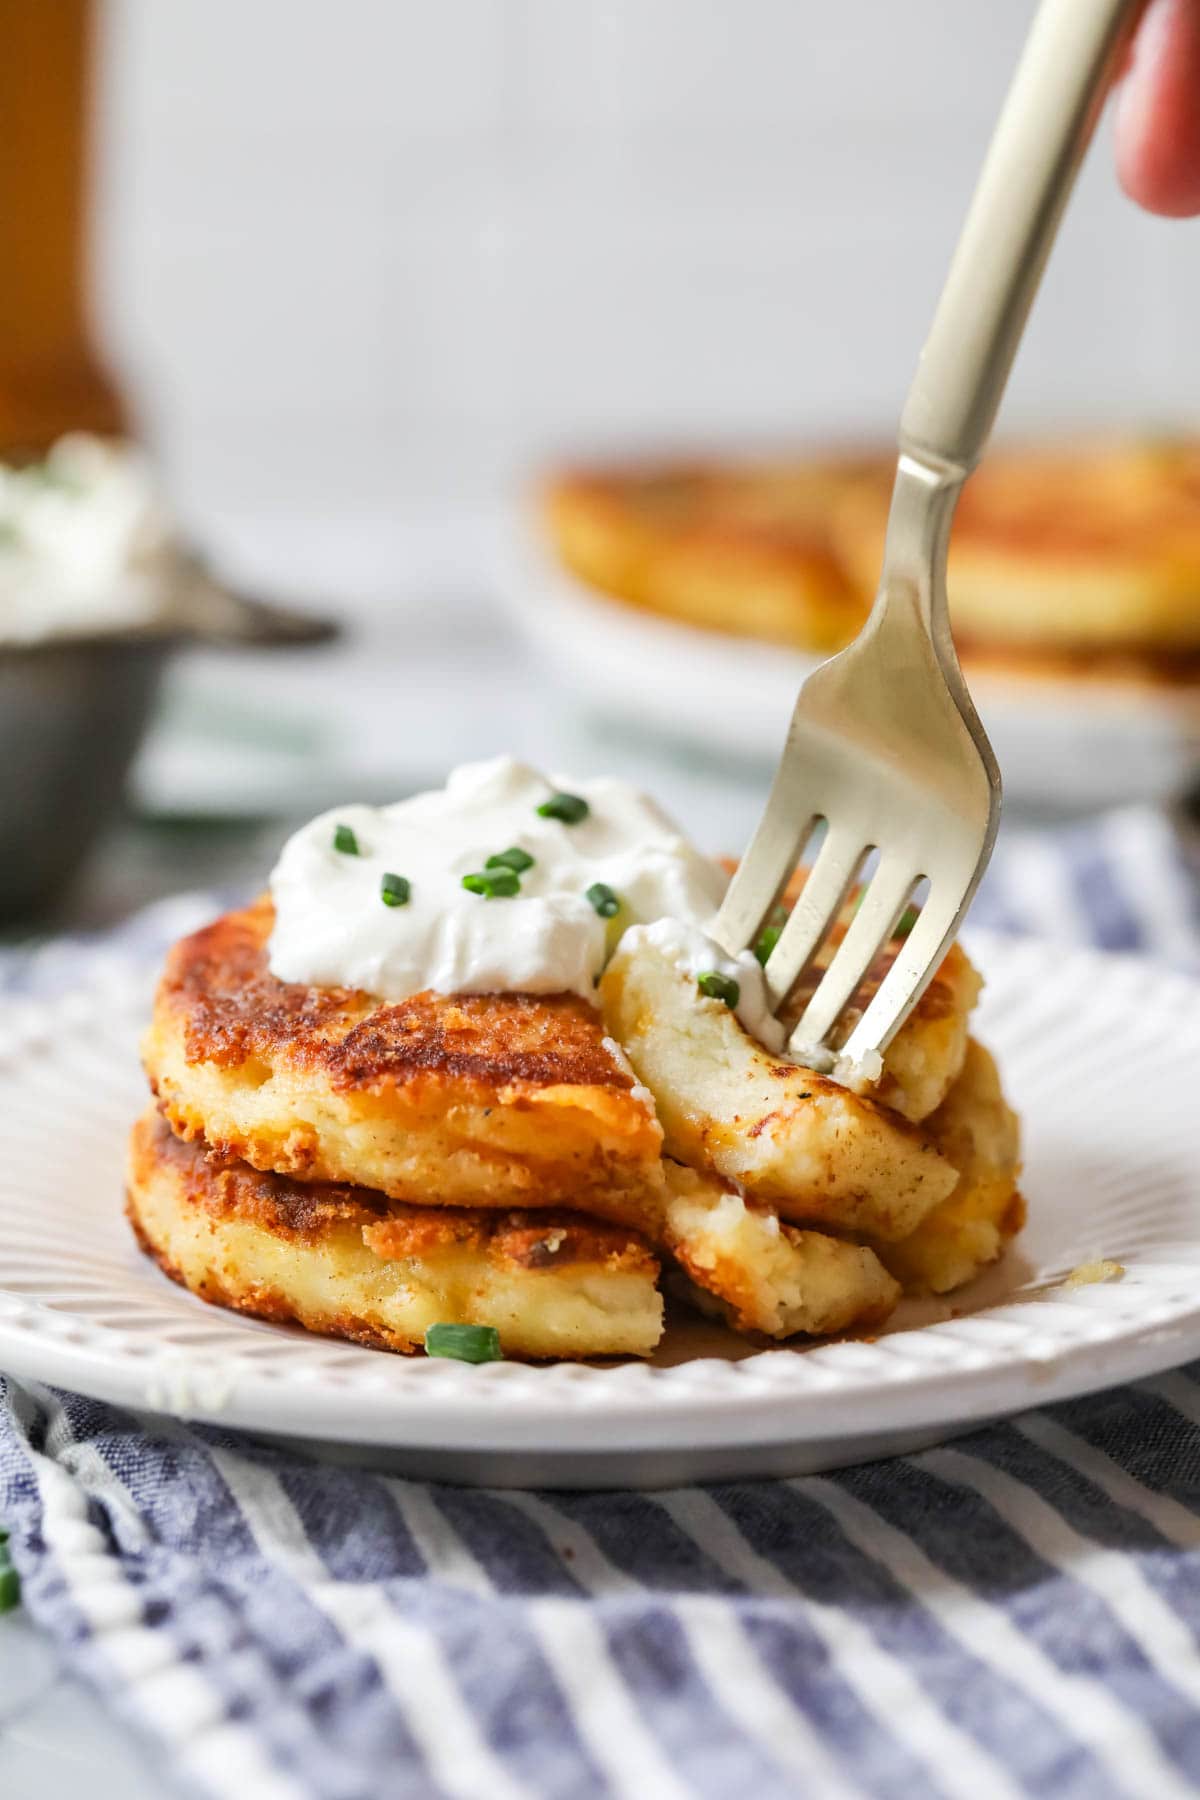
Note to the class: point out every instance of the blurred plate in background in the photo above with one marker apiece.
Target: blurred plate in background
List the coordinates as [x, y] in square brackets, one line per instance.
[1064, 743]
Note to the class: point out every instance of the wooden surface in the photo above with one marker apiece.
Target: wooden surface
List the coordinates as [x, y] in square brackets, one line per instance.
[51, 378]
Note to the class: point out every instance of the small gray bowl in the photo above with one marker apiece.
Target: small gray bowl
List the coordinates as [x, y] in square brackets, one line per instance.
[73, 713]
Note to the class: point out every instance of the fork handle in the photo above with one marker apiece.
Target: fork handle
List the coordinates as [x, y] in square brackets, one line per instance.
[1055, 98]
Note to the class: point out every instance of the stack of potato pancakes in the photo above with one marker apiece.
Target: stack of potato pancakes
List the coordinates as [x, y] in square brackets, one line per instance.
[537, 1164]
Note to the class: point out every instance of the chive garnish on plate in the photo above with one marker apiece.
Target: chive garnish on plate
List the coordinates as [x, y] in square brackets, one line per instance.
[464, 1343]
[516, 859]
[395, 890]
[493, 884]
[572, 809]
[605, 900]
[716, 986]
[345, 841]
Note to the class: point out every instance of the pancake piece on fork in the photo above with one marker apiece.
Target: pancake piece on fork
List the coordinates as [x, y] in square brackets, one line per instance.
[814, 1149]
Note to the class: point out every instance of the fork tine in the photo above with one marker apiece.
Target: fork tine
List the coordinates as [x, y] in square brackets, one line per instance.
[764, 870]
[882, 904]
[916, 964]
[820, 901]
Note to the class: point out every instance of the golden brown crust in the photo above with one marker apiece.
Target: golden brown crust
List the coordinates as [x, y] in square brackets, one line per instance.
[226, 1188]
[303, 1212]
[1082, 555]
[978, 1132]
[738, 548]
[233, 1010]
[486, 1100]
[348, 1263]
[258, 1300]
[1132, 667]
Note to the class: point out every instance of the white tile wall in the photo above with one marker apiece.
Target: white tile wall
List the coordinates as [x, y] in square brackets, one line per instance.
[374, 254]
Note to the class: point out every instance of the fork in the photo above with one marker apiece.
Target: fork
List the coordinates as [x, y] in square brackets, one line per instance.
[885, 748]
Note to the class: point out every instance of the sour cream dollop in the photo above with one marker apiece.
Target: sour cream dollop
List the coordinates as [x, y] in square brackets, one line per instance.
[333, 928]
[83, 540]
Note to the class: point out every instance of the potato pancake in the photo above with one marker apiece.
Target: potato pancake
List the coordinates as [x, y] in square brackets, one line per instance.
[459, 1100]
[737, 548]
[977, 1131]
[1085, 547]
[819, 1153]
[1084, 553]
[350, 1263]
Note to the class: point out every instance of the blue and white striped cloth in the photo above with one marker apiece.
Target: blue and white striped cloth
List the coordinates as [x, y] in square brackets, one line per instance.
[1016, 1614]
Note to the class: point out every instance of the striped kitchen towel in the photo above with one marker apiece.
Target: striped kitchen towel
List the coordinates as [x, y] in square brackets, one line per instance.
[1018, 1613]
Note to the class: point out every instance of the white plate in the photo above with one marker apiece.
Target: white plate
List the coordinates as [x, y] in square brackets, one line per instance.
[1100, 1055]
[1063, 743]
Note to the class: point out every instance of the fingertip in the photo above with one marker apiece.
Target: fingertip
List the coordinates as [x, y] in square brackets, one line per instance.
[1157, 123]
[1152, 175]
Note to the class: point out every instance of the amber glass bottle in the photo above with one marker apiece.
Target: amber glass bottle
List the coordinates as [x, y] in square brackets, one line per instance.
[51, 378]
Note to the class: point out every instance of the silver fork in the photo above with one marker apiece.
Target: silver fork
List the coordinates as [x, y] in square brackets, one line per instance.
[885, 745]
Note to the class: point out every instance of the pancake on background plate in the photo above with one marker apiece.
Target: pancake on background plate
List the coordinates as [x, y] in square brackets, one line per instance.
[729, 547]
[1086, 554]
[1077, 558]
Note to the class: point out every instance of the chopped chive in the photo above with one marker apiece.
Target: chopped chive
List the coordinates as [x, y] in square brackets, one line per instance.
[465, 1343]
[768, 937]
[604, 900]
[10, 1588]
[716, 986]
[570, 808]
[395, 890]
[516, 859]
[345, 841]
[493, 884]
